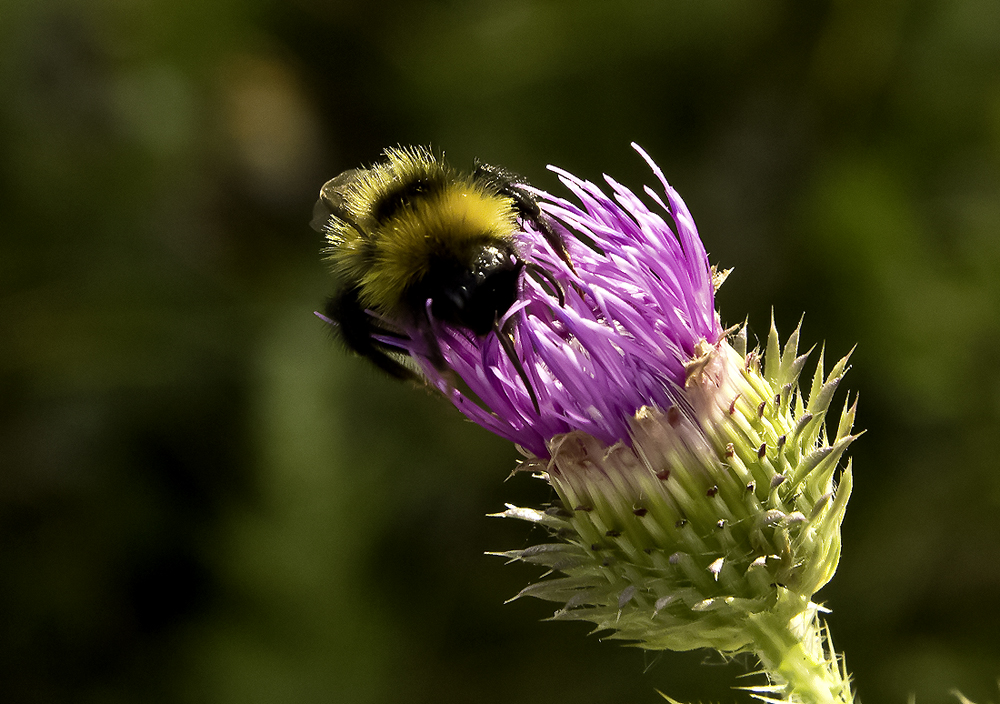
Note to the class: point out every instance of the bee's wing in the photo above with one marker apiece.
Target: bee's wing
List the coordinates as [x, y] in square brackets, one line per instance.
[332, 201]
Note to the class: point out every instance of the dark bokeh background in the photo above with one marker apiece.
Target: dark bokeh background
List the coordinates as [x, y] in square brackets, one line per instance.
[203, 500]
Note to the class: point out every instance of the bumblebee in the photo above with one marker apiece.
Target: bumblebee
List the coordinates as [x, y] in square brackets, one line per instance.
[410, 239]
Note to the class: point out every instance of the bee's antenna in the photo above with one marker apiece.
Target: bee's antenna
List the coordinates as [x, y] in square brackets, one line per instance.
[507, 342]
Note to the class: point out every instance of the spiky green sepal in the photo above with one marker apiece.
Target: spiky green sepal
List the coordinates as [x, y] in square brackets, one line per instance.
[722, 510]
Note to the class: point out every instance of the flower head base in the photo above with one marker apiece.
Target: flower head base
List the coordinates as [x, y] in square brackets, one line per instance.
[615, 338]
[711, 517]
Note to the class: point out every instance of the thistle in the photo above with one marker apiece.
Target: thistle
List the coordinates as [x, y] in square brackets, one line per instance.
[699, 498]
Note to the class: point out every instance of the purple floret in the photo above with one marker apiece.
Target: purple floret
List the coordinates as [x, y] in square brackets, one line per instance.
[631, 317]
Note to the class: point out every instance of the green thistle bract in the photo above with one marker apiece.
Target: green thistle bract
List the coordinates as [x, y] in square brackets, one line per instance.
[710, 516]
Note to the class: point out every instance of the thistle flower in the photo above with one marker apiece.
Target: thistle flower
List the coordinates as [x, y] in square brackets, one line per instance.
[630, 313]
[698, 499]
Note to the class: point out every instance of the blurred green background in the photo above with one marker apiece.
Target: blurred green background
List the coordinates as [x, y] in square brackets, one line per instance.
[203, 500]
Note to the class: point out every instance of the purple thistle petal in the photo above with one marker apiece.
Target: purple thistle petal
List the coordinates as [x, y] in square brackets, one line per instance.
[632, 316]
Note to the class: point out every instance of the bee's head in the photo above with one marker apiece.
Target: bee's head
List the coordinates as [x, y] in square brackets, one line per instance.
[473, 293]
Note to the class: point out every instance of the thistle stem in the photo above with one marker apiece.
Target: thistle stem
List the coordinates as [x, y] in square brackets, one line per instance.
[798, 656]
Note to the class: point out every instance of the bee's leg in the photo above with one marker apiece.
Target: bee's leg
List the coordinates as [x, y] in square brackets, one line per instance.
[511, 185]
[356, 328]
[546, 276]
[507, 342]
[528, 208]
[433, 349]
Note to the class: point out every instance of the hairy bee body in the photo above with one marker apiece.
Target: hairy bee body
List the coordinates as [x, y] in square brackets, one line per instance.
[409, 239]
